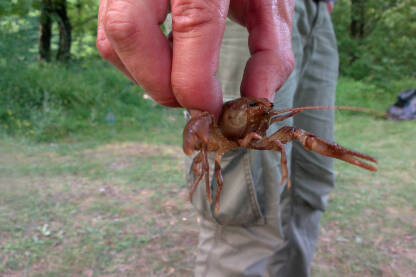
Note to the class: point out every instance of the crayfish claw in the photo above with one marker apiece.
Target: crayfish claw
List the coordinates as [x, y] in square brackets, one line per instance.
[334, 150]
[350, 158]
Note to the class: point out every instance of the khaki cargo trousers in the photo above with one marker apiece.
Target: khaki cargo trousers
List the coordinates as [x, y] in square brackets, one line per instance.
[262, 228]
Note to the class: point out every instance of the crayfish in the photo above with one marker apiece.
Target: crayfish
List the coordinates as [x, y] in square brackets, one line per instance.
[243, 123]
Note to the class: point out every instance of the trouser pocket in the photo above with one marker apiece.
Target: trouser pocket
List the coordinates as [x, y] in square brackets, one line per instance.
[239, 203]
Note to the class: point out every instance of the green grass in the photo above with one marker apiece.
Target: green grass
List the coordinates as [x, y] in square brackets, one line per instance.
[369, 229]
[82, 194]
[92, 209]
[52, 102]
[111, 200]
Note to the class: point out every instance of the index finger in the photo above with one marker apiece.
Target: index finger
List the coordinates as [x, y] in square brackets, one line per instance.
[132, 27]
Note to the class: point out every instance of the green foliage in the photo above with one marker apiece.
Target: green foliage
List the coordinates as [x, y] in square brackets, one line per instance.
[23, 7]
[15, 7]
[82, 15]
[387, 49]
[113, 209]
[395, 37]
[48, 102]
[366, 94]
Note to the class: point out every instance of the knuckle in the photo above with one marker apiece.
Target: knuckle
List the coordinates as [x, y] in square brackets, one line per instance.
[105, 49]
[186, 88]
[290, 63]
[183, 87]
[120, 30]
[118, 23]
[286, 61]
[188, 15]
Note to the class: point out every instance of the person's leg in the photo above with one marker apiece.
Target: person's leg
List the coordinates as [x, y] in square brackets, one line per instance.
[312, 174]
[246, 238]
[240, 240]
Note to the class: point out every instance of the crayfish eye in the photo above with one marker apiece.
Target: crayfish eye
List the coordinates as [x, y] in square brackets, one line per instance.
[252, 104]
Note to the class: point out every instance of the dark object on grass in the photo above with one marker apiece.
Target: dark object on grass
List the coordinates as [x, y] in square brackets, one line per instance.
[110, 118]
[405, 107]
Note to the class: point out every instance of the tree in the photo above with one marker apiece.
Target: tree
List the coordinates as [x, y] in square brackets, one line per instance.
[376, 38]
[45, 32]
[49, 10]
[76, 21]
[357, 18]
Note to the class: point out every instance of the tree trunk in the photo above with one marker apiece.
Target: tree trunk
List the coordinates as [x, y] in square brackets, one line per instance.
[64, 26]
[45, 32]
[357, 19]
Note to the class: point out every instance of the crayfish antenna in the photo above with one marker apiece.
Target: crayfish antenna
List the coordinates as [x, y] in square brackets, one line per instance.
[301, 109]
[345, 108]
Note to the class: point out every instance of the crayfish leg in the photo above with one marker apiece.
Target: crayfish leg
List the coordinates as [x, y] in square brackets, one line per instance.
[206, 172]
[220, 180]
[245, 142]
[283, 165]
[200, 168]
[269, 143]
[197, 168]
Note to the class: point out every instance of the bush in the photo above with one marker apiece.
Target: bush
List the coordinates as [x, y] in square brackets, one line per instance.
[386, 52]
[52, 101]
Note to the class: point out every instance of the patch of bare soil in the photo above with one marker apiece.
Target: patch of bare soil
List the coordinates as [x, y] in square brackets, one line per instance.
[169, 225]
[341, 251]
[134, 149]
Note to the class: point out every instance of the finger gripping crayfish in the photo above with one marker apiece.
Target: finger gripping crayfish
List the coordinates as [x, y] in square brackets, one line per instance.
[243, 123]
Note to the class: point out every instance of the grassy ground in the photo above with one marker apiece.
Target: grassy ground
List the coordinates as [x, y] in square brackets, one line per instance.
[116, 206]
[370, 226]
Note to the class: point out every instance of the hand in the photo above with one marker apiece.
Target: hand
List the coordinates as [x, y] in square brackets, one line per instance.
[183, 74]
[330, 6]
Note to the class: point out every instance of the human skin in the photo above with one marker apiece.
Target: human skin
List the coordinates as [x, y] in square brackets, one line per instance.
[181, 73]
[330, 6]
